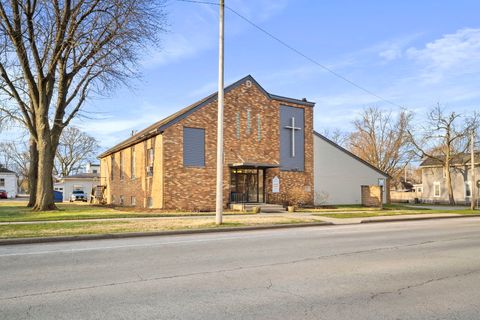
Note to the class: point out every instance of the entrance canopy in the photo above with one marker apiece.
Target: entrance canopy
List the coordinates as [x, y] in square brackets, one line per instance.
[254, 165]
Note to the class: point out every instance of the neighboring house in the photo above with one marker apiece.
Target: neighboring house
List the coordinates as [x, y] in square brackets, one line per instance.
[339, 174]
[83, 181]
[434, 183]
[8, 181]
[268, 158]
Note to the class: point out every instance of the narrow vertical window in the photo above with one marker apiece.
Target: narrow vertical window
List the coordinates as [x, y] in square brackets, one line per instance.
[2, 182]
[249, 125]
[112, 166]
[468, 189]
[436, 189]
[259, 128]
[149, 202]
[132, 163]
[150, 161]
[122, 169]
[238, 125]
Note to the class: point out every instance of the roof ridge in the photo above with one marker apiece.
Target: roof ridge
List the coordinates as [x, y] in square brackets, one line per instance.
[164, 123]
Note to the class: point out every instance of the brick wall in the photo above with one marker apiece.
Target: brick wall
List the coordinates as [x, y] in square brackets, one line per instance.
[174, 186]
[194, 188]
[140, 186]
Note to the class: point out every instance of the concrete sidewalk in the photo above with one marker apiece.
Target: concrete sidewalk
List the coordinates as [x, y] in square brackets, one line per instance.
[423, 216]
[315, 216]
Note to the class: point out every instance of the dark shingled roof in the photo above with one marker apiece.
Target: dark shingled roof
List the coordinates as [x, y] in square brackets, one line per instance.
[5, 170]
[161, 125]
[83, 176]
[458, 159]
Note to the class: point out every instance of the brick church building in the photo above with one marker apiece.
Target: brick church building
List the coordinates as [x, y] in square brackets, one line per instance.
[268, 143]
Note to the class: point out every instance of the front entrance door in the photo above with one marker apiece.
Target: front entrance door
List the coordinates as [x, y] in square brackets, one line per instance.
[246, 185]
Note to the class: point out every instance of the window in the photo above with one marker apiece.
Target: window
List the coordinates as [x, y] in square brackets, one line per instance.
[249, 127]
[468, 189]
[94, 171]
[2, 182]
[149, 202]
[112, 166]
[132, 163]
[122, 200]
[150, 161]
[113, 199]
[193, 147]
[436, 190]
[122, 169]
[133, 201]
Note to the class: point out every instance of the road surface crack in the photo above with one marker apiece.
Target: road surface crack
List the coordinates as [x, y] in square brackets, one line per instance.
[139, 279]
[399, 291]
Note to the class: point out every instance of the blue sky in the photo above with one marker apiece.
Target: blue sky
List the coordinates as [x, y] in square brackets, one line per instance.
[414, 53]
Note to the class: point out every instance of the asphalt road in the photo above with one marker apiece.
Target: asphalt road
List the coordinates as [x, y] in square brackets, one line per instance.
[407, 270]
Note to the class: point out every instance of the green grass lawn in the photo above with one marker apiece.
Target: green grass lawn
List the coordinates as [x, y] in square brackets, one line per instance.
[72, 228]
[345, 212]
[16, 211]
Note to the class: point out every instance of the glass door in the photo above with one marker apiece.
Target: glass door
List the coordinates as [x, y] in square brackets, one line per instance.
[246, 185]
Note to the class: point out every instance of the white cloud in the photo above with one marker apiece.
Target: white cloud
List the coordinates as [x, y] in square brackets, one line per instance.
[451, 55]
[391, 54]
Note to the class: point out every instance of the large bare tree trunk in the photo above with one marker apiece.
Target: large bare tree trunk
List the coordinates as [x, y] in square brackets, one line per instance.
[46, 154]
[33, 173]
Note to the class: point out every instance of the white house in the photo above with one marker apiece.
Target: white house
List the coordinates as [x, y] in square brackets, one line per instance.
[8, 182]
[82, 181]
[339, 174]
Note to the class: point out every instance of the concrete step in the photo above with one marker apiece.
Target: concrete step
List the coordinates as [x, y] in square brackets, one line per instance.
[264, 207]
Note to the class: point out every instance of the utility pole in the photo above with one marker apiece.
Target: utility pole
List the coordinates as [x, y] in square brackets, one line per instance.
[473, 188]
[219, 194]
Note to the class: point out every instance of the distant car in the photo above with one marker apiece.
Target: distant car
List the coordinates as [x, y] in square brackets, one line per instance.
[78, 195]
[3, 194]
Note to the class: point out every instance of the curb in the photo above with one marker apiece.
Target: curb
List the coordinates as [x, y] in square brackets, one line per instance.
[421, 218]
[6, 242]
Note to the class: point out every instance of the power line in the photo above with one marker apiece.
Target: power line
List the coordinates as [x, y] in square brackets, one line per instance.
[298, 52]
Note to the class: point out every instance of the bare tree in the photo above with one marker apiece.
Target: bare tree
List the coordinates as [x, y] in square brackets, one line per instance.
[338, 136]
[381, 138]
[16, 157]
[445, 137]
[54, 54]
[74, 150]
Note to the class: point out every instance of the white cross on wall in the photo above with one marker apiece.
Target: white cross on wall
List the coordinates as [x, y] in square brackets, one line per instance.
[293, 128]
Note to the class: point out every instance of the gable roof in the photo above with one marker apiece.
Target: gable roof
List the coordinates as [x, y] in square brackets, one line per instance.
[160, 126]
[351, 154]
[5, 170]
[458, 159]
[82, 176]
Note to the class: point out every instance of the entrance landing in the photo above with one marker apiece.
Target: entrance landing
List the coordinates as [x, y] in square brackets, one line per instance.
[264, 207]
